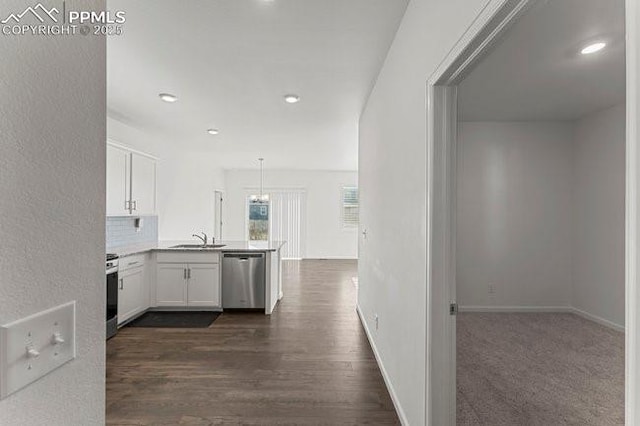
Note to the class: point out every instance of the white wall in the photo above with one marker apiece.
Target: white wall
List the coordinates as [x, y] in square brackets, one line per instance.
[598, 215]
[52, 185]
[392, 176]
[541, 215]
[326, 237]
[135, 137]
[514, 214]
[186, 186]
[395, 117]
[185, 182]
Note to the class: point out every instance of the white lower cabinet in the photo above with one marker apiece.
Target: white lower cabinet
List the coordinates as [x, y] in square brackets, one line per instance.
[203, 288]
[171, 284]
[191, 285]
[131, 294]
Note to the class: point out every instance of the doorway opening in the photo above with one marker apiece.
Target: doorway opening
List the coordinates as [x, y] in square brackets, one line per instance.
[218, 210]
[496, 176]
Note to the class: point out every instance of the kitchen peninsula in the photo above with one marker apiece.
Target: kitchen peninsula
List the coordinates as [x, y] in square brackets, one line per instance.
[185, 276]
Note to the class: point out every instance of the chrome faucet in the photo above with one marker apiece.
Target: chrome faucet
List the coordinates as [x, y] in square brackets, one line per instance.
[204, 240]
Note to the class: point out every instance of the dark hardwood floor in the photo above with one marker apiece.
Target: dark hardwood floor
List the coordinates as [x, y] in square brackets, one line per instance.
[308, 363]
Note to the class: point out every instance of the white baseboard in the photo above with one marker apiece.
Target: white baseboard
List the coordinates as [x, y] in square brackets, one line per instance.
[385, 376]
[564, 309]
[514, 309]
[597, 319]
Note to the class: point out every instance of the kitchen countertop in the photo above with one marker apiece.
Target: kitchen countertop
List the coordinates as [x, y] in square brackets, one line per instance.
[228, 246]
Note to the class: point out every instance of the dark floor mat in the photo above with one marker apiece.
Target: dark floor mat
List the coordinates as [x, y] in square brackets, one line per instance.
[176, 319]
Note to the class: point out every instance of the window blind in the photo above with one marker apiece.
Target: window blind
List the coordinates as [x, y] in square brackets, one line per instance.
[287, 221]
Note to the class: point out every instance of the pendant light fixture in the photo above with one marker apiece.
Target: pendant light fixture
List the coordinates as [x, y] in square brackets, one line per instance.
[261, 178]
[262, 198]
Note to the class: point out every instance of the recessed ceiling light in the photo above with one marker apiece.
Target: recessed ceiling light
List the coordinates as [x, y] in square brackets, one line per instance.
[168, 97]
[593, 48]
[291, 99]
[213, 131]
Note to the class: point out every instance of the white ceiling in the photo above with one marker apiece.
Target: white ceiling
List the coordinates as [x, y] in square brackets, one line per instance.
[537, 71]
[230, 62]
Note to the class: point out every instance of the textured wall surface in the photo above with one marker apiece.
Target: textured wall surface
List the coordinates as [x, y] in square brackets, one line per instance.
[52, 204]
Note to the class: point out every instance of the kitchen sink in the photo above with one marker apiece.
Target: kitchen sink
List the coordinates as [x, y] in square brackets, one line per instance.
[197, 246]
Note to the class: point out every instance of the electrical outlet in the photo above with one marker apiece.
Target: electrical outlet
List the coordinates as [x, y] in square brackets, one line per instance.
[376, 319]
[492, 289]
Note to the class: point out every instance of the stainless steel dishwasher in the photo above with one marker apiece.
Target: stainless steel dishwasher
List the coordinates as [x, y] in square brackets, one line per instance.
[243, 280]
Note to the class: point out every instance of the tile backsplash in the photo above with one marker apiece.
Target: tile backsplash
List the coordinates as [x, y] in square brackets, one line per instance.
[122, 231]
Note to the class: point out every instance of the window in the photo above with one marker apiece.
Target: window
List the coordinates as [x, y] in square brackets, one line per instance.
[278, 216]
[350, 206]
[258, 218]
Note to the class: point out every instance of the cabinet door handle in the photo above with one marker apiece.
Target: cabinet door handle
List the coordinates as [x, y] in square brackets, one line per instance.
[184, 273]
[189, 275]
[127, 205]
[132, 263]
[135, 204]
[121, 283]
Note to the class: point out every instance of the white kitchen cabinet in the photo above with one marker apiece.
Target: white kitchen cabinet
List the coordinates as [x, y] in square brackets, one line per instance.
[131, 182]
[171, 284]
[188, 285]
[203, 288]
[131, 294]
[118, 170]
[143, 184]
[133, 286]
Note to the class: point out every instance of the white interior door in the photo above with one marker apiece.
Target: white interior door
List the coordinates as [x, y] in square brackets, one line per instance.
[217, 229]
[441, 271]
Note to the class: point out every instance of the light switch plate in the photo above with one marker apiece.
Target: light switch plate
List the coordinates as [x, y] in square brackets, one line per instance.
[32, 347]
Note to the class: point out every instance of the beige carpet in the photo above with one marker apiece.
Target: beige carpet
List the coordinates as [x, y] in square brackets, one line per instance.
[538, 369]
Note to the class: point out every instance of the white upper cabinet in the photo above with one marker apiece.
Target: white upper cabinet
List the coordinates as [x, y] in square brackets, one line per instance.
[118, 169]
[143, 184]
[131, 182]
